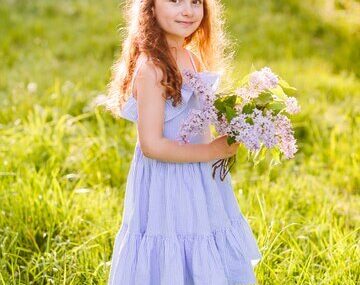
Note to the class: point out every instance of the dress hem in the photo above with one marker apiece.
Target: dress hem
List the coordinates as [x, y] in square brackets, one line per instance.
[226, 256]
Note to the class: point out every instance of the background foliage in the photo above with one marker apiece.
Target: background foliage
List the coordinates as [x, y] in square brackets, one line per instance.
[63, 164]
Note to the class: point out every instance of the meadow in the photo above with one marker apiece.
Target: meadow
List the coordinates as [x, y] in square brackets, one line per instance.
[63, 163]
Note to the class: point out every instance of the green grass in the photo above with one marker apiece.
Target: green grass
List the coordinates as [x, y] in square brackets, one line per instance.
[63, 164]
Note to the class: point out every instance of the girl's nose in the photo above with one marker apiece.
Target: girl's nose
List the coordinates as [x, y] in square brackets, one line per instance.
[187, 10]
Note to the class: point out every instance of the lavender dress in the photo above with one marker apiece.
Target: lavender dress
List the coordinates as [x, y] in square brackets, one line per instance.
[179, 226]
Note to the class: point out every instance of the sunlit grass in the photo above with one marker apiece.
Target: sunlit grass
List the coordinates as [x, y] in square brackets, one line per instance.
[63, 164]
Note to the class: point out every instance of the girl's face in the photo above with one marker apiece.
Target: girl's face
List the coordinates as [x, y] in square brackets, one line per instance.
[179, 18]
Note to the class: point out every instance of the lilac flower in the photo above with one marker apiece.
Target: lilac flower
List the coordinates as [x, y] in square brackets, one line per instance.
[292, 106]
[221, 125]
[199, 87]
[198, 119]
[265, 128]
[284, 132]
[263, 79]
[258, 82]
[193, 125]
[246, 94]
[261, 127]
[245, 132]
[271, 78]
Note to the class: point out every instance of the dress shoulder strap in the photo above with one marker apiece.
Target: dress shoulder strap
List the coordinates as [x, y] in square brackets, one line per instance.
[135, 73]
[192, 60]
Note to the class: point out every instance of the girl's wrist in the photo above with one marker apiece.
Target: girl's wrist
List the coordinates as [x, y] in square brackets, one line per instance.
[212, 151]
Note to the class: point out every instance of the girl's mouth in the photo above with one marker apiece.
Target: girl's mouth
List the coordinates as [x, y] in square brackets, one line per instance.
[185, 23]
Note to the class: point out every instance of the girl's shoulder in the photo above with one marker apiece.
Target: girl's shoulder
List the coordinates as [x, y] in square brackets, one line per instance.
[146, 70]
[147, 66]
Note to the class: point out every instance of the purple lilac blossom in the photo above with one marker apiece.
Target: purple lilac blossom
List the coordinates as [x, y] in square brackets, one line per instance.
[198, 119]
[292, 106]
[221, 125]
[266, 128]
[194, 124]
[285, 134]
[263, 79]
[258, 82]
[245, 132]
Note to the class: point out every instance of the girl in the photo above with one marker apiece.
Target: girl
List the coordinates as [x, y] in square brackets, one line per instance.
[179, 225]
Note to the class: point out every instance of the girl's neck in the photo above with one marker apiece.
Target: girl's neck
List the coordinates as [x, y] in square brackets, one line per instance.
[175, 43]
[178, 51]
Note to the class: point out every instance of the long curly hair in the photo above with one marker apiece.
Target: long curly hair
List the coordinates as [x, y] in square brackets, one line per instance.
[143, 34]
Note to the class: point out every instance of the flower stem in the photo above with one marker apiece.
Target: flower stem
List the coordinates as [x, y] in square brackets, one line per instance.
[225, 166]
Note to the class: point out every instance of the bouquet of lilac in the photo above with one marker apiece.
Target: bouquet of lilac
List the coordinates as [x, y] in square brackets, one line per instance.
[255, 114]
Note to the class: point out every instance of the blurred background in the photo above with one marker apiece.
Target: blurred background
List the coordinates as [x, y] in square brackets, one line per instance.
[63, 163]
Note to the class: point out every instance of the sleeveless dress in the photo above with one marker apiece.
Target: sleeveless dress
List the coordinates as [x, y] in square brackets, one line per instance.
[180, 226]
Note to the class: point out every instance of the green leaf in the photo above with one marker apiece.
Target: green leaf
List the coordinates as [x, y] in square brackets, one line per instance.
[283, 83]
[259, 155]
[264, 98]
[275, 154]
[276, 106]
[230, 113]
[219, 105]
[249, 121]
[248, 108]
[230, 100]
[289, 90]
[279, 93]
[238, 100]
[230, 140]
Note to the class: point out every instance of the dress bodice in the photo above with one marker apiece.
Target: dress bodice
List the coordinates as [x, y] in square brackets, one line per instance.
[174, 116]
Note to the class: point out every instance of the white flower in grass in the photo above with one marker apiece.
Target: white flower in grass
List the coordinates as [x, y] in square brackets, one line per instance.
[32, 87]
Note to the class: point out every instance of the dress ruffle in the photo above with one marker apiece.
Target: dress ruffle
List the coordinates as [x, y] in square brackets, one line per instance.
[129, 110]
[171, 112]
[225, 256]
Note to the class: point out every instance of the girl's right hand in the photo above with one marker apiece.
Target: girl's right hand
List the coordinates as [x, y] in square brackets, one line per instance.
[220, 149]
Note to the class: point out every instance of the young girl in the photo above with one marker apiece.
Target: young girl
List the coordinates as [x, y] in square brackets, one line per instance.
[179, 225]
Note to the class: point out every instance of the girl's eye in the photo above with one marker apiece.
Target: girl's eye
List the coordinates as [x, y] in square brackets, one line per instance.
[196, 2]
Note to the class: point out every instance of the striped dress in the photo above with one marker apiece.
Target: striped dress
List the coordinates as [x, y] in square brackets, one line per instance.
[179, 225]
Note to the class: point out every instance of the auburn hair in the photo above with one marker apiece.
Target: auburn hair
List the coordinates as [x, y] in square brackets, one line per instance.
[143, 34]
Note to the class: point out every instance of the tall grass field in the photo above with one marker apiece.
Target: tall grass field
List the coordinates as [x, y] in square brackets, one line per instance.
[64, 162]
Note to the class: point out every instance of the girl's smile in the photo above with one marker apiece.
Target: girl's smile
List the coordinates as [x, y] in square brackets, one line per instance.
[179, 18]
[185, 23]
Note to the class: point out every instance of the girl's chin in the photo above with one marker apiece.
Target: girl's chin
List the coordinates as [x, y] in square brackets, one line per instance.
[183, 34]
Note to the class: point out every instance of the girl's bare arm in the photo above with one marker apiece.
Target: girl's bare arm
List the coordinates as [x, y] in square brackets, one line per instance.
[151, 109]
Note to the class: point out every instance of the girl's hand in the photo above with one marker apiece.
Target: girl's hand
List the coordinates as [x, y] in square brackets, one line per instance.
[220, 149]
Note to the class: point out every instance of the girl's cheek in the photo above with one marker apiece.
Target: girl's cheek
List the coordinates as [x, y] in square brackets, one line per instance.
[199, 12]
